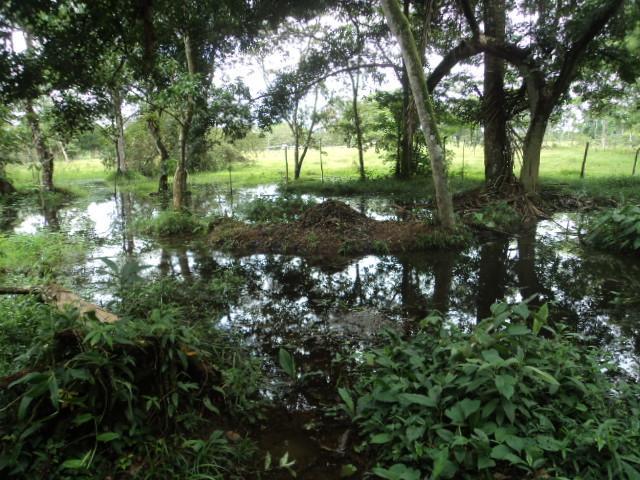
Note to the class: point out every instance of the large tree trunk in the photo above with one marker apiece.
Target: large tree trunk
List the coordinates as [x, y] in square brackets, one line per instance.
[154, 130]
[355, 84]
[180, 177]
[399, 25]
[121, 160]
[531, 149]
[45, 156]
[498, 159]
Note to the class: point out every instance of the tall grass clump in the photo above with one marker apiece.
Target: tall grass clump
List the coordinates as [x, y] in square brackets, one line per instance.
[279, 209]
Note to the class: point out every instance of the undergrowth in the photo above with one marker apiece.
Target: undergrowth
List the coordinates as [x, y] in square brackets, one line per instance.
[513, 398]
[143, 398]
[616, 230]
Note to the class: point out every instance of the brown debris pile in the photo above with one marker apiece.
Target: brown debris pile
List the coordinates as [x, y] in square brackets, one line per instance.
[330, 229]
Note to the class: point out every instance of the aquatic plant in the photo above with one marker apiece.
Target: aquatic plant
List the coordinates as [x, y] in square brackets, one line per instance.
[513, 396]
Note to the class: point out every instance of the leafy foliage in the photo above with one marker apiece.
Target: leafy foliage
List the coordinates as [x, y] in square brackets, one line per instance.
[617, 230]
[511, 396]
[98, 400]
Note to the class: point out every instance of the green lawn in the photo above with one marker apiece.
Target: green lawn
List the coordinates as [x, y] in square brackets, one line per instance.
[608, 172]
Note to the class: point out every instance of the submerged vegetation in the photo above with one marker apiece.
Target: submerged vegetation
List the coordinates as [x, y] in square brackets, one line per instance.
[513, 396]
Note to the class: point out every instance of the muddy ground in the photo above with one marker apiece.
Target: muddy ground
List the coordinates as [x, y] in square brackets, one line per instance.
[331, 229]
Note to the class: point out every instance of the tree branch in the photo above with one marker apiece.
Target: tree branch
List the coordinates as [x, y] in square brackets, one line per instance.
[598, 21]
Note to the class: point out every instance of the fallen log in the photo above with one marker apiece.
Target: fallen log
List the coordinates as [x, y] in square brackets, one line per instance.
[62, 298]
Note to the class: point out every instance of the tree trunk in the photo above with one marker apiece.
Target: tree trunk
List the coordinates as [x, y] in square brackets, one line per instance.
[399, 25]
[498, 159]
[406, 146]
[531, 150]
[180, 177]
[154, 131]
[45, 156]
[121, 161]
[296, 155]
[63, 151]
[6, 188]
[355, 83]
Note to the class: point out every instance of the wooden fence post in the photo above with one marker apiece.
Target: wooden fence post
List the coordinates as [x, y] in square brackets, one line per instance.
[584, 160]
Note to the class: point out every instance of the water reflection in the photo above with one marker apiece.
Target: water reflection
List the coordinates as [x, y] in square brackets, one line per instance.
[287, 300]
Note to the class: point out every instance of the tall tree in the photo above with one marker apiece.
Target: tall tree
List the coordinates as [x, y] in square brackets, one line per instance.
[399, 26]
[560, 40]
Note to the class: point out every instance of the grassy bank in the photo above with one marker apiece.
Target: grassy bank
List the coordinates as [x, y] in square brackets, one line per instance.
[608, 172]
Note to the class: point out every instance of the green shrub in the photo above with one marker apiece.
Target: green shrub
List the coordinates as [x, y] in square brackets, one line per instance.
[279, 209]
[617, 229]
[502, 399]
[170, 223]
[145, 398]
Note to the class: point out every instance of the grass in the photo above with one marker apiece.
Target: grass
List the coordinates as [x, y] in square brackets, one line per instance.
[37, 256]
[608, 173]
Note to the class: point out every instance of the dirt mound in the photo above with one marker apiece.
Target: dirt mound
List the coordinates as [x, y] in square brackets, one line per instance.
[332, 214]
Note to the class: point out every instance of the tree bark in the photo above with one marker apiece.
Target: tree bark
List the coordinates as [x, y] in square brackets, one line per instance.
[355, 84]
[45, 156]
[154, 130]
[400, 27]
[498, 159]
[121, 161]
[180, 176]
[531, 149]
[408, 130]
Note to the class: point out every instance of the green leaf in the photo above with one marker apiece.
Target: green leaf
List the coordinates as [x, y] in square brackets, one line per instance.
[54, 391]
[84, 418]
[509, 410]
[485, 462]
[348, 470]
[398, 471]
[210, 406]
[287, 363]
[73, 464]
[25, 401]
[380, 438]
[502, 452]
[522, 310]
[517, 329]
[492, 356]
[418, 399]
[348, 401]
[107, 437]
[543, 375]
[505, 385]
[440, 462]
